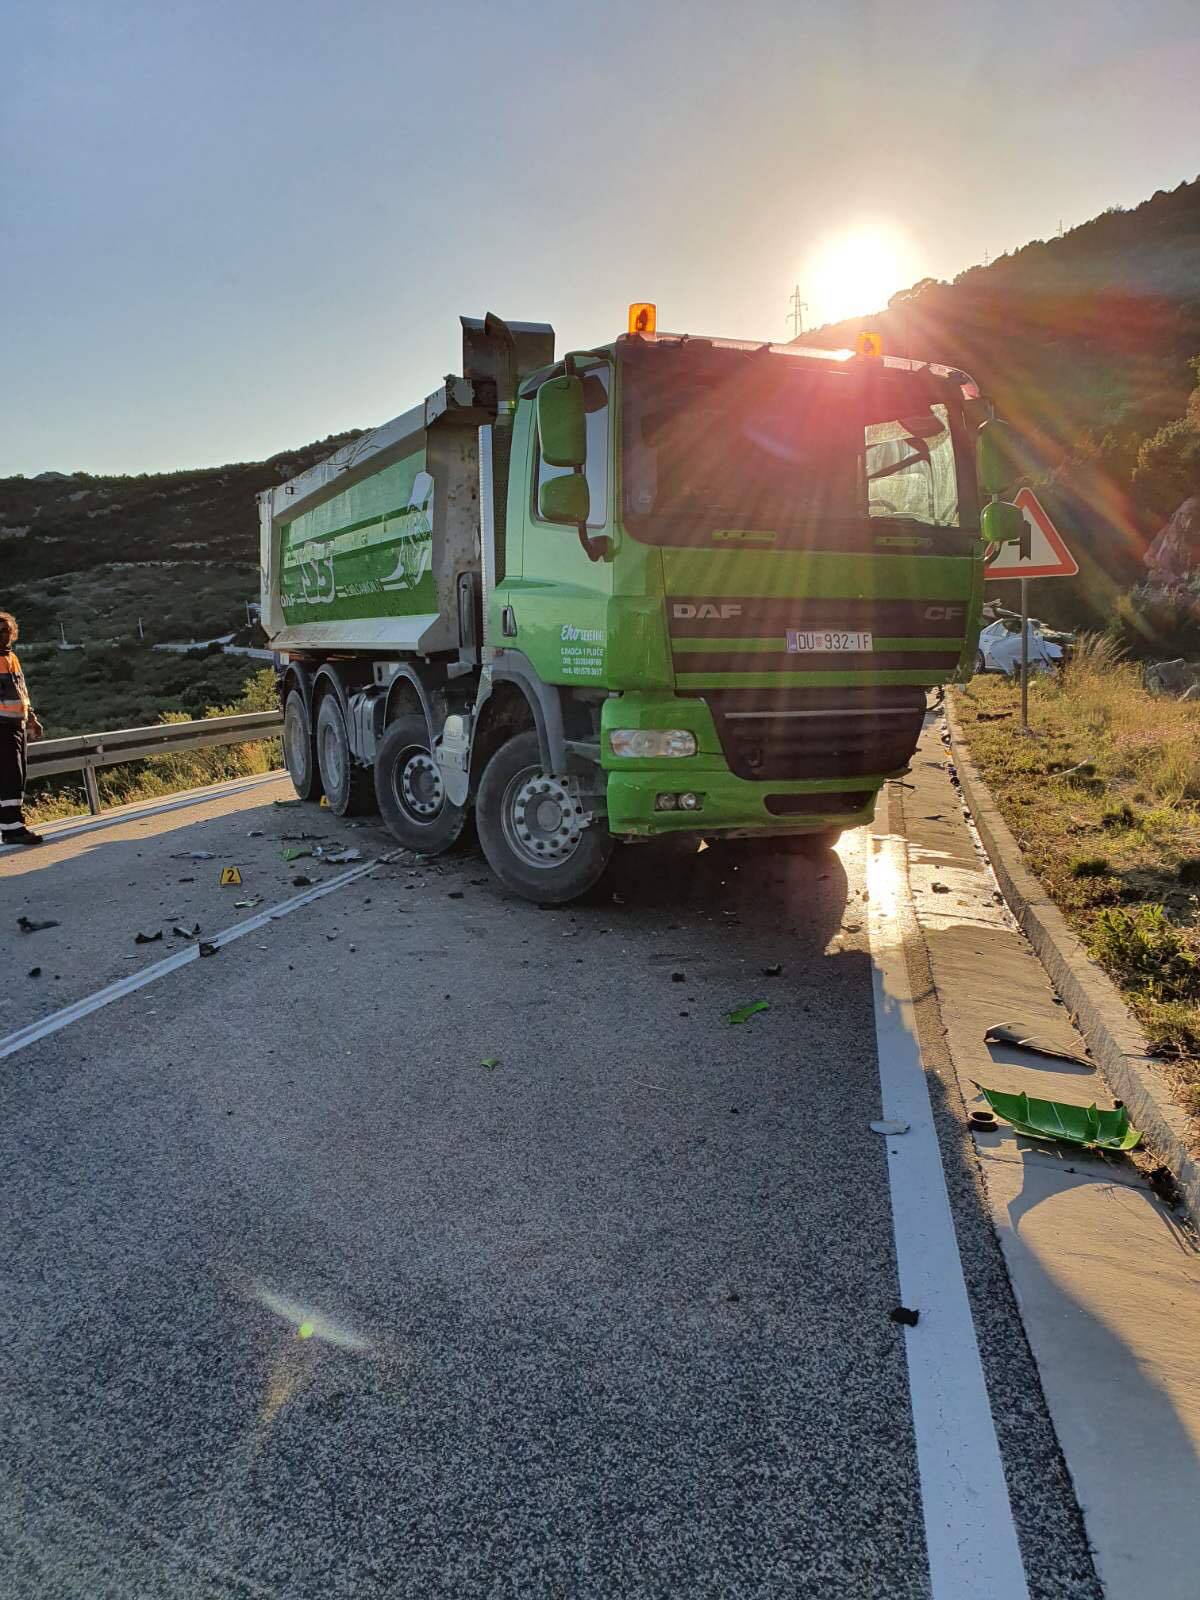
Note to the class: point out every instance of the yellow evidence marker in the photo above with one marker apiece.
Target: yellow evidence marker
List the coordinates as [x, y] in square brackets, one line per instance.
[230, 875]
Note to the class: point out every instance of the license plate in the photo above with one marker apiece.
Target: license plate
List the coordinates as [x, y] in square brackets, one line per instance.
[826, 641]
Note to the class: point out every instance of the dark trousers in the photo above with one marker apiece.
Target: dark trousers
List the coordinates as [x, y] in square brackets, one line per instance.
[12, 775]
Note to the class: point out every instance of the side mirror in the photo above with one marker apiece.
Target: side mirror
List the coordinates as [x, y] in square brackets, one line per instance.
[997, 456]
[566, 499]
[562, 422]
[1000, 523]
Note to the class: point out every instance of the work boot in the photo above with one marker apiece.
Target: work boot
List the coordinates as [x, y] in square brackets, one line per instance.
[21, 836]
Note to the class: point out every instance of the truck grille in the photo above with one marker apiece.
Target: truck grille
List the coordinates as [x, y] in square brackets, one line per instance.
[711, 638]
[816, 733]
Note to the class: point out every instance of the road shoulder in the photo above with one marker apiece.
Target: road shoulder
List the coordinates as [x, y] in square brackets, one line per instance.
[1107, 1281]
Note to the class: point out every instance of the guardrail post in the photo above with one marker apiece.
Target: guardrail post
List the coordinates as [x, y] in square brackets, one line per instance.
[92, 787]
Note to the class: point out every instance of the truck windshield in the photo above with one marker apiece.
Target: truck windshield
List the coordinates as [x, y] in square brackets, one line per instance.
[750, 444]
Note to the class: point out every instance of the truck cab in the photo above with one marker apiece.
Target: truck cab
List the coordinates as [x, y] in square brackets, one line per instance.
[678, 585]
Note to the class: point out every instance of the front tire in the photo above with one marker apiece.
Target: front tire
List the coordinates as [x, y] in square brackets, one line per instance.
[299, 756]
[533, 830]
[349, 787]
[412, 800]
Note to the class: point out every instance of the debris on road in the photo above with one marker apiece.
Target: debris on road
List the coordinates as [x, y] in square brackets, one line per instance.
[905, 1317]
[193, 855]
[301, 882]
[338, 858]
[679, 977]
[889, 1126]
[285, 805]
[490, 1062]
[1010, 1033]
[293, 852]
[246, 905]
[744, 1013]
[775, 970]
[148, 938]
[27, 925]
[207, 949]
[35, 972]
[940, 888]
[454, 894]
[983, 1120]
[181, 932]
[1060, 1120]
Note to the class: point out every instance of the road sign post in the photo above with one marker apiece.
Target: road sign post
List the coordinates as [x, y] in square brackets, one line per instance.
[1047, 557]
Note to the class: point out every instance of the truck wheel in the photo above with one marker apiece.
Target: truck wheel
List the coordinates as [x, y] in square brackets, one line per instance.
[531, 827]
[349, 787]
[298, 754]
[412, 799]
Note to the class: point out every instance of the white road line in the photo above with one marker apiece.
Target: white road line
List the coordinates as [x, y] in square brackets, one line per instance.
[57, 1020]
[969, 1529]
[52, 832]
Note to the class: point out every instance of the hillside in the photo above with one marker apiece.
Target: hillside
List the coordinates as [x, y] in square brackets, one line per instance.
[1085, 342]
[95, 557]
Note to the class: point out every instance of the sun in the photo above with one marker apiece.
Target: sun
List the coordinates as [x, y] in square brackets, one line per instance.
[855, 273]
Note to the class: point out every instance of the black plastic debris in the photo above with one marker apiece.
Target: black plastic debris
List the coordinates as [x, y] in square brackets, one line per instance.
[148, 938]
[775, 970]
[679, 977]
[301, 882]
[180, 932]
[455, 894]
[207, 949]
[27, 924]
[905, 1317]
[35, 972]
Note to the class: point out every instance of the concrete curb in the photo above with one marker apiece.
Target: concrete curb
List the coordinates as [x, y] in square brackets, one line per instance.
[1113, 1037]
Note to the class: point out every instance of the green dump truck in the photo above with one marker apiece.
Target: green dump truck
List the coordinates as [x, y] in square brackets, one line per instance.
[673, 585]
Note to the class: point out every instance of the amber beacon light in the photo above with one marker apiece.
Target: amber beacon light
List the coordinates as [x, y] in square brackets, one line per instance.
[642, 317]
[869, 344]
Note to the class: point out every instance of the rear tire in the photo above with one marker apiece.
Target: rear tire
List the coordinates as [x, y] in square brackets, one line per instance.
[349, 787]
[299, 752]
[531, 828]
[412, 800]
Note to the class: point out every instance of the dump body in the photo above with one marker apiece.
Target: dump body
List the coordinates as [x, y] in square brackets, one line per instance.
[365, 550]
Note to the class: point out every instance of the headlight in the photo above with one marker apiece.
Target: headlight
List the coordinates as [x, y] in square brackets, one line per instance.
[652, 742]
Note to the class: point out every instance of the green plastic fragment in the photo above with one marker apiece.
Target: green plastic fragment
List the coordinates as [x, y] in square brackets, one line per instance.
[1056, 1119]
[744, 1013]
[490, 1062]
[293, 852]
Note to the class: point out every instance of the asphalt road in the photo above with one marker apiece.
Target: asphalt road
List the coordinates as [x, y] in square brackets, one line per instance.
[425, 1243]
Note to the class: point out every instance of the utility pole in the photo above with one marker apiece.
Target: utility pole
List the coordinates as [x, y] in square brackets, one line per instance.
[799, 307]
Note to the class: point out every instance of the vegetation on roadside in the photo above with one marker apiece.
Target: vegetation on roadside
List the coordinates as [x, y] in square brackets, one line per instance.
[1104, 799]
[51, 798]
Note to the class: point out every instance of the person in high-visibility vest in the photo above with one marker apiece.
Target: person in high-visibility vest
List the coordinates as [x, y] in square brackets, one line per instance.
[17, 724]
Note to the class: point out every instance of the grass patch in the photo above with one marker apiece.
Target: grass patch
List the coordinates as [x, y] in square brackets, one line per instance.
[1090, 867]
[1104, 799]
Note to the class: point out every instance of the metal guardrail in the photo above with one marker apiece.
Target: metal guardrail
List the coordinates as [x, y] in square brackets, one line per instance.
[86, 752]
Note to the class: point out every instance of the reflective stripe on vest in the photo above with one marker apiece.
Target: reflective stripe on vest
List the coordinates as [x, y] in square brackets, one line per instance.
[14, 697]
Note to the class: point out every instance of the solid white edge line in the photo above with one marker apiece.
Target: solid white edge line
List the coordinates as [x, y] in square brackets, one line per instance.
[57, 1020]
[969, 1530]
[70, 826]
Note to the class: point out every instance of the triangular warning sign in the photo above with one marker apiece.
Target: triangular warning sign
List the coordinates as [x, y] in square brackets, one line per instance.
[230, 875]
[1048, 555]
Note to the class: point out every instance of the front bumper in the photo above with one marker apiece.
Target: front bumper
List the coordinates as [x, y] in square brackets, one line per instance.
[732, 805]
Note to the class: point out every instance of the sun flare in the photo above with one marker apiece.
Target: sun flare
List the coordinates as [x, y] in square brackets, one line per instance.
[855, 273]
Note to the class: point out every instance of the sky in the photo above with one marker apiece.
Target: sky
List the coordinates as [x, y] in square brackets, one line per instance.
[230, 228]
